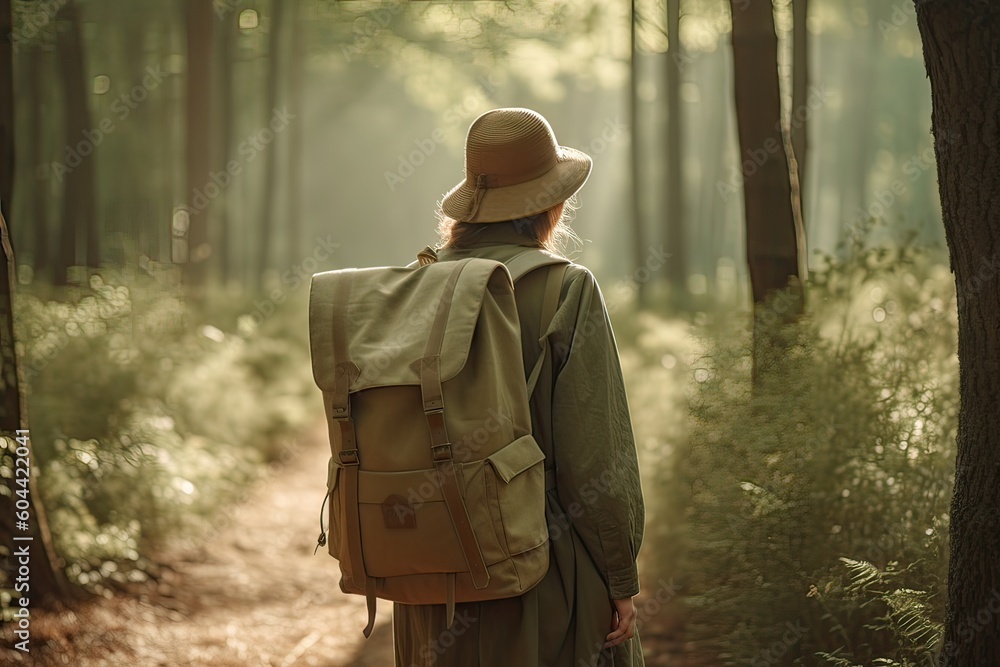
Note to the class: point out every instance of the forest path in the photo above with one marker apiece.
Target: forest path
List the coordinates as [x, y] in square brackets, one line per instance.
[251, 595]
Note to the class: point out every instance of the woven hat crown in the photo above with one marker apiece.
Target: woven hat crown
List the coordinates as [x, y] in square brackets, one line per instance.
[514, 168]
[510, 146]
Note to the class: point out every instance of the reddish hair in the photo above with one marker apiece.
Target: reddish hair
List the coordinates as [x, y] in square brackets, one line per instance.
[547, 229]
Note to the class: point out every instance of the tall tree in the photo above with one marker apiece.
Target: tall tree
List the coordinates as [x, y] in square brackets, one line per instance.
[772, 236]
[295, 93]
[199, 18]
[638, 233]
[962, 56]
[36, 152]
[6, 107]
[77, 170]
[229, 26]
[676, 223]
[46, 580]
[25, 519]
[800, 96]
[266, 220]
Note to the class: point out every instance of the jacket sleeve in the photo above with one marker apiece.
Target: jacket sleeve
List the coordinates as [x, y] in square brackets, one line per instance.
[596, 466]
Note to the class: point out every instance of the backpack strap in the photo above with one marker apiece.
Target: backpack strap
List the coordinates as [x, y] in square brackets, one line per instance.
[347, 453]
[523, 264]
[550, 303]
[441, 452]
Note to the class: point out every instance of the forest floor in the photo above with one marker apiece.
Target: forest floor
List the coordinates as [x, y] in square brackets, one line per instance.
[252, 595]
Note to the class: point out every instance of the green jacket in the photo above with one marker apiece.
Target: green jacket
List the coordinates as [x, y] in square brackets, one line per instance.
[580, 419]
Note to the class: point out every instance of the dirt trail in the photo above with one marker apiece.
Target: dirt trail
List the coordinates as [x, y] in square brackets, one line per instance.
[254, 595]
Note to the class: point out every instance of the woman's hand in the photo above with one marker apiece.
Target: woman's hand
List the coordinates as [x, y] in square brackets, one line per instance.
[622, 623]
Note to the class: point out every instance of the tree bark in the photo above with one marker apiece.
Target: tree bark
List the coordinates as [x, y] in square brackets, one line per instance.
[773, 235]
[295, 135]
[199, 18]
[638, 231]
[78, 206]
[962, 56]
[675, 232]
[265, 222]
[25, 523]
[6, 108]
[227, 116]
[800, 93]
[772, 243]
[39, 201]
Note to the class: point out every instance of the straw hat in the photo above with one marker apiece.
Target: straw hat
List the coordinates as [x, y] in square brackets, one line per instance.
[514, 168]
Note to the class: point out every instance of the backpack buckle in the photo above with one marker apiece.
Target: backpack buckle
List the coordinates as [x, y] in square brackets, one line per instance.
[349, 457]
[441, 452]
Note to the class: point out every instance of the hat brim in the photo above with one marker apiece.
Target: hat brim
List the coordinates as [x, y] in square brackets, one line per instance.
[524, 199]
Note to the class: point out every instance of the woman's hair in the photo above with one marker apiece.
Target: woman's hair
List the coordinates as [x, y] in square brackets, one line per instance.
[549, 229]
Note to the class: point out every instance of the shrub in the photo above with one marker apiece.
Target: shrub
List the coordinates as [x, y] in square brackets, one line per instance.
[145, 417]
[816, 502]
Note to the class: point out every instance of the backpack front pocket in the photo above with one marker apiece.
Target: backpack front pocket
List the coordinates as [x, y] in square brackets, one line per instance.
[518, 494]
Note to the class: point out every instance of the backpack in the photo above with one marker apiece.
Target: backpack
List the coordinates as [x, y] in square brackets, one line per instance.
[436, 488]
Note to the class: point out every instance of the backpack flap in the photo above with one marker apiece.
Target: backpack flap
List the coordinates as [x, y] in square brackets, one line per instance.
[515, 458]
[383, 316]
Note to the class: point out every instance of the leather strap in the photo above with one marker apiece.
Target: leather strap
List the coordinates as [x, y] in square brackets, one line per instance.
[441, 453]
[372, 604]
[449, 610]
[342, 425]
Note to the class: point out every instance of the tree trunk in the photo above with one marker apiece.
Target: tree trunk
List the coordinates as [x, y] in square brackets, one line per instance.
[800, 93]
[39, 201]
[295, 93]
[772, 239]
[863, 92]
[6, 109]
[199, 18]
[676, 222]
[266, 219]
[962, 55]
[77, 171]
[638, 231]
[227, 116]
[21, 513]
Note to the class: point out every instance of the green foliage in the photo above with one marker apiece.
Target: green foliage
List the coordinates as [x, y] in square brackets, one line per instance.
[816, 502]
[145, 418]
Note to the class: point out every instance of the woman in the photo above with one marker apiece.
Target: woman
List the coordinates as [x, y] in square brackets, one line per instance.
[582, 613]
